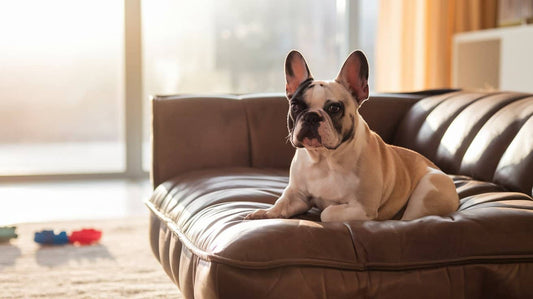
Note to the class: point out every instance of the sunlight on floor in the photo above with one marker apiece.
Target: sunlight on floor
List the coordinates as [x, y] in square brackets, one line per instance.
[71, 200]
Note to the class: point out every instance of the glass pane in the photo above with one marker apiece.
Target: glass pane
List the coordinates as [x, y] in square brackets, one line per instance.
[62, 80]
[235, 46]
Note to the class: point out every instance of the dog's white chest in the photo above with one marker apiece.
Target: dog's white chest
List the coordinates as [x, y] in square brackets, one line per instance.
[327, 186]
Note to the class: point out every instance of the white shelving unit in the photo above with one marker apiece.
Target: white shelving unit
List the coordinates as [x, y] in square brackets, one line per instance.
[500, 59]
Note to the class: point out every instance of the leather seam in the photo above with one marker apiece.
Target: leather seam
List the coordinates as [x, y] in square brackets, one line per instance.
[357, 254]
[248, 131]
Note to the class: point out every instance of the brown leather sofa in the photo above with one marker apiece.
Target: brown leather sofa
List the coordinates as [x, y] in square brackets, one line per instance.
[215, 159]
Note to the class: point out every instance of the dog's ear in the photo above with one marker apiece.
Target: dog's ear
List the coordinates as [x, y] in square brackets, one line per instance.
[296, 72]
[354, 75]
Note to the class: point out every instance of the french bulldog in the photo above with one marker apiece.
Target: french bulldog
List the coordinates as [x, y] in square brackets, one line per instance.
[341, 166]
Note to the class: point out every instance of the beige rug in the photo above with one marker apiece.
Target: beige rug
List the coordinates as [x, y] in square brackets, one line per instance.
[120, 266]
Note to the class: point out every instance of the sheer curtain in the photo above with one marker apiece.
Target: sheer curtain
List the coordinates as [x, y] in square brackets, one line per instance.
[414, 41]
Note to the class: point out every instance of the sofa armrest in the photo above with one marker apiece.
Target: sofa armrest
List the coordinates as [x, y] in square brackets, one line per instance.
[191, 133]
[200, 132]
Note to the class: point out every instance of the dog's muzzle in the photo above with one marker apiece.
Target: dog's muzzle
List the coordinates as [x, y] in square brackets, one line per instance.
[308, 134]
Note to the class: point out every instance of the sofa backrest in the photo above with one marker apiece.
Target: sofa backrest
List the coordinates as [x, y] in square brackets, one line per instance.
[488, 136]
[199, 132]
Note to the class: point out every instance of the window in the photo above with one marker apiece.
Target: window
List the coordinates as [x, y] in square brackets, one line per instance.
[236, 46]
[62, 86]
[65, 109]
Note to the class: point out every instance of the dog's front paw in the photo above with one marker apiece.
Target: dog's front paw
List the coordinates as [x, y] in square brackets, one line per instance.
[258, 214]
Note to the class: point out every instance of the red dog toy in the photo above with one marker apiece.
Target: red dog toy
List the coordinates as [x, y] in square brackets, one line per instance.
[85, 236]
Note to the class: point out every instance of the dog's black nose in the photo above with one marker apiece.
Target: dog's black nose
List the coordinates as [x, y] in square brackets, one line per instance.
[312, 118]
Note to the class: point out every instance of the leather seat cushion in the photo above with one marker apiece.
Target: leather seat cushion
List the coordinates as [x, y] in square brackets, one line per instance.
[205, 211]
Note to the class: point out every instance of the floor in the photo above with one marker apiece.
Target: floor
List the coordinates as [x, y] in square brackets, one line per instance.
[71, 200]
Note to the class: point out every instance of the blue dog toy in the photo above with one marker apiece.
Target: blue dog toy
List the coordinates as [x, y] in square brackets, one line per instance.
[47, 237]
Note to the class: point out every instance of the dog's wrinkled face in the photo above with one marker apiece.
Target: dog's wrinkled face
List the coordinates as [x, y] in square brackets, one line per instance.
[322, 113]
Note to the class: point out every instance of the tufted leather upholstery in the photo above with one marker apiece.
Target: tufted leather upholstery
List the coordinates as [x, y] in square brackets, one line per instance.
[217, 159]
[459, 130]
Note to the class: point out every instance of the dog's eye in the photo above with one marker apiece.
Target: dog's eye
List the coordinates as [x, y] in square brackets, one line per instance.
[295, 108]
[334, 108]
